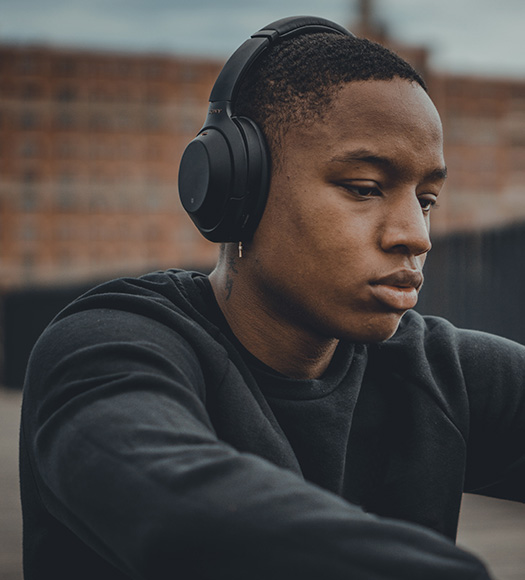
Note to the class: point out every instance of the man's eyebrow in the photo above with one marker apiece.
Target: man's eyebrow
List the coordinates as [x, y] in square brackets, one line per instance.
[365, 155]
[437, 174]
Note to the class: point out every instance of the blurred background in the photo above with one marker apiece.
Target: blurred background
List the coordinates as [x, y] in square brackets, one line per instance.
[98, 100]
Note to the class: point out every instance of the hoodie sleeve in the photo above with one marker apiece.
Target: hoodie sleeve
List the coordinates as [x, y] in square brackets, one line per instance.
[494, 373]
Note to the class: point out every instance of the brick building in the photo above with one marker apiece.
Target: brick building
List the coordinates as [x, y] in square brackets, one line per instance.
[90, 144]
[89, 150]
[484, 125]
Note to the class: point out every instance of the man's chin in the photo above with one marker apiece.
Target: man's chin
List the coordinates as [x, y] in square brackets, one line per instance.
[375, 331]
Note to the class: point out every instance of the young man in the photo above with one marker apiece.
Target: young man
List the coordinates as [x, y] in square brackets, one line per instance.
[288, 416]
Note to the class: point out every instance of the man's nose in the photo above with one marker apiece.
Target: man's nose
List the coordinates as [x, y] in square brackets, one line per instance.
[407, 227]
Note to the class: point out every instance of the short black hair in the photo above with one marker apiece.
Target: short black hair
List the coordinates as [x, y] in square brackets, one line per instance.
[295, 81]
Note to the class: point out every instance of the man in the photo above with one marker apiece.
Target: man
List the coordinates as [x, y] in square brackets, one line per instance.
[289, 416]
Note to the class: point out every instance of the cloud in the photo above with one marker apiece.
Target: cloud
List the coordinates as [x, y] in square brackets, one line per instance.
[472, 35]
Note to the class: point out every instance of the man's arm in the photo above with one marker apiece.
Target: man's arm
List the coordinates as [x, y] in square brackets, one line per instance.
[494, 371]
[126, 457]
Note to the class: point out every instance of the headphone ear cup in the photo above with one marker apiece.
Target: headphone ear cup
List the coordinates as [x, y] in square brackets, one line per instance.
[224, 178]
[205, 179]
[257, 177]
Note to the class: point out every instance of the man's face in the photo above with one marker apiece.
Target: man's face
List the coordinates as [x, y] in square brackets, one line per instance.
[340, 248]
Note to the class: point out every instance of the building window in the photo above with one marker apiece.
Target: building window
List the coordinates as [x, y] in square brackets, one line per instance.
[28, 120]
[66, 95]
[518, 91]
[29, 191]
[28, 265]
[30, 91]
[152, 98]
[65, 67]
[66, 191]
[65, 120]
[97, 96]
[66, 149]
[28, 232]
[29, 149]
[124, 68]
[27, 64]
[98, 121]
[153, 70]
[123, 120]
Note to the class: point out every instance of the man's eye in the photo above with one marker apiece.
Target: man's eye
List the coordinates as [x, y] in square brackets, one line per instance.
[361, 190]
[427, 204]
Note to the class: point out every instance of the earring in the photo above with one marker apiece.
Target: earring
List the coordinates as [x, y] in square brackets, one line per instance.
[239, 247]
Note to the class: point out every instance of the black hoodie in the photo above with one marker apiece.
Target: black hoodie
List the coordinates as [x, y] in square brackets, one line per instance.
[153, 446]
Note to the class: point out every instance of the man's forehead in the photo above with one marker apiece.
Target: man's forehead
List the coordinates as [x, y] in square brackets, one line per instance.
[380, 96]
[381, 110]
[378, 120]
[384, 161]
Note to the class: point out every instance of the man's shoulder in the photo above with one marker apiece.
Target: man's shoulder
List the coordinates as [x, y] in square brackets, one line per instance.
[174, 284]
[418, 331]
[168, 290]
[431, 330]
[160, 305]
[437, 344]
[155, 313]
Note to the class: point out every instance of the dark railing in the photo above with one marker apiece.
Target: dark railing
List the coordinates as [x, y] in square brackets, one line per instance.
[477, 280]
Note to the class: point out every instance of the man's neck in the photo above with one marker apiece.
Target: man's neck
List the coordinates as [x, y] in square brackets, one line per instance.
[287, 348]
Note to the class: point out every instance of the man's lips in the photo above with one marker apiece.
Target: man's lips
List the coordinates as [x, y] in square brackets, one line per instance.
[398, 290]
[401, 279]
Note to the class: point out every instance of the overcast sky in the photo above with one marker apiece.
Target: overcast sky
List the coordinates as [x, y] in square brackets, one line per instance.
[474, 36]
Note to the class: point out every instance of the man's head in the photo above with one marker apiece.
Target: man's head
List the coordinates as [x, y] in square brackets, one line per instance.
[357, 155]
[285, 74]
[294, 82]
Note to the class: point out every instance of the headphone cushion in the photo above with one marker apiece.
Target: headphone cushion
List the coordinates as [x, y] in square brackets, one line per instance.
[257, 176]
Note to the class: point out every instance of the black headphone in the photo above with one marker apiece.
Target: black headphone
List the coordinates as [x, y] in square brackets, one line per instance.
[224, 173]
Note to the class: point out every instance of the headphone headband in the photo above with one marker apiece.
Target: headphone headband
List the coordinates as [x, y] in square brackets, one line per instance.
[224, 174]
[230, 77]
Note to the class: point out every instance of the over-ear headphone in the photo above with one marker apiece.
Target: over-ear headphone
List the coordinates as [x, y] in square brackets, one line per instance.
[224, 173]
